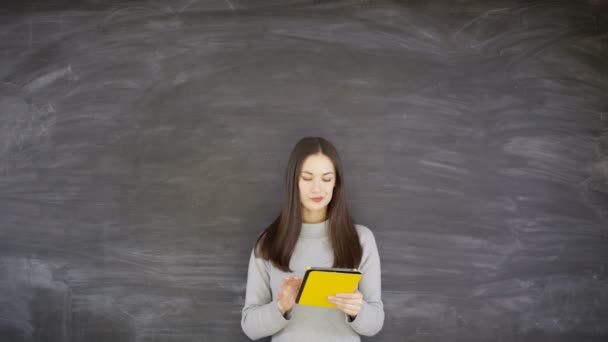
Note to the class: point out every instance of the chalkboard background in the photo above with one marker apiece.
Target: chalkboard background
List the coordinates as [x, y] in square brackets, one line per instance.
[143, 145]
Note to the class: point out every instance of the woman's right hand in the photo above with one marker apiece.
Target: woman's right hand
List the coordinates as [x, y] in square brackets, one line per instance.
[288, 293]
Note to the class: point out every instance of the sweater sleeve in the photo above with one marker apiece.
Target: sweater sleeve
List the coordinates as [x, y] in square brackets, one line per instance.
[370, 319]
[260, 315]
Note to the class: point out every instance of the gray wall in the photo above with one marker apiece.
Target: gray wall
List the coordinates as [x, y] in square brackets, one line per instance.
[143, 144]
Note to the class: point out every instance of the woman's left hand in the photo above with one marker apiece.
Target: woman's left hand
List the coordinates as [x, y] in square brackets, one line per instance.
[349, 303]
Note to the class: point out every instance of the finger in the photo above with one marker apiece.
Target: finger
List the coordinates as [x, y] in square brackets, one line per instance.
[348, 304]
[349, 295]
[351, 313]
[348, 309]
[343, 295]
[289, 279]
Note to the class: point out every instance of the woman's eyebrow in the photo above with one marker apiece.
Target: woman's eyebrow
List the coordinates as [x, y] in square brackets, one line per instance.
[326, 173]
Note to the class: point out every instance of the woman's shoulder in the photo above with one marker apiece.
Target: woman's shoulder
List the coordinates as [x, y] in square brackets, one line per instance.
[365, 234]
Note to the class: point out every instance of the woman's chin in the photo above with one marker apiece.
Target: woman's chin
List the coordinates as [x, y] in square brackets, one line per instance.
[316, 206]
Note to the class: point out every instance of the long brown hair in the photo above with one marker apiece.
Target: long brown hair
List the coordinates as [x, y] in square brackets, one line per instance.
[277, 242]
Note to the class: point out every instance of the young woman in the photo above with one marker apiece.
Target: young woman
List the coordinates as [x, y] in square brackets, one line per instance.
[315, 229]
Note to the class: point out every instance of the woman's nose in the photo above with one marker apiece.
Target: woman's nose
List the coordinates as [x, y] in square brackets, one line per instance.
[316, 185]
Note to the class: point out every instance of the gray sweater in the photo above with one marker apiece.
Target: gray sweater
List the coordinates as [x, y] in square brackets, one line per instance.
[261, 316]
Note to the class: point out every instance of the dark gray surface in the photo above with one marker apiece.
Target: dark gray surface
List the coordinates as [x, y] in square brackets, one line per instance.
[142, 148]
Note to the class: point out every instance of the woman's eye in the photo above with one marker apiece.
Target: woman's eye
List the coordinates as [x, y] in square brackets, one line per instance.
[309, 179]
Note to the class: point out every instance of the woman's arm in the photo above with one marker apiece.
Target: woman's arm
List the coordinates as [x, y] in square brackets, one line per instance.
[370, 319]
[260, 316]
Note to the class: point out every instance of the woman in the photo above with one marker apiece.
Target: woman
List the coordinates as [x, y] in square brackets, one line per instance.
[313, 229]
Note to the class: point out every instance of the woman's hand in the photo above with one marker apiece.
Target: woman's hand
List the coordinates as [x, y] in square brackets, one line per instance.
[288, 293]
[349, 303]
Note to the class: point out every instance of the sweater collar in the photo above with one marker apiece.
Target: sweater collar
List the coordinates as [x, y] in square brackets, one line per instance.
[315, 230]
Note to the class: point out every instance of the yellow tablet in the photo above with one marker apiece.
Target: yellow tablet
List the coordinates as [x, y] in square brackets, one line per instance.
[322, 282]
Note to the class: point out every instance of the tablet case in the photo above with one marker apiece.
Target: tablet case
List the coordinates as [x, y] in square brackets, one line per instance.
[322, 282]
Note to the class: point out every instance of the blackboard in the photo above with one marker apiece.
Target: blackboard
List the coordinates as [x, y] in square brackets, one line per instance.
[143, 145]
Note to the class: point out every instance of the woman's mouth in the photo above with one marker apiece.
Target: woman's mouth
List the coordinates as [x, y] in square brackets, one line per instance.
[317, 199]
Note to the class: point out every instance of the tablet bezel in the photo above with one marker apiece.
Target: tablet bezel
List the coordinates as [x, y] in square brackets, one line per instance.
[322, 269]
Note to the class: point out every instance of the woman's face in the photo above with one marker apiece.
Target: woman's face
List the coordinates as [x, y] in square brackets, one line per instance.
[317, 180]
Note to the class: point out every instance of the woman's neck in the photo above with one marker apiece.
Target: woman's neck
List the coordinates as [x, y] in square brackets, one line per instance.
[316, 216]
